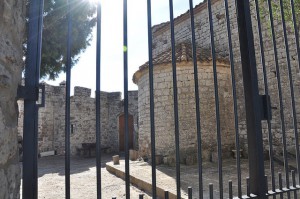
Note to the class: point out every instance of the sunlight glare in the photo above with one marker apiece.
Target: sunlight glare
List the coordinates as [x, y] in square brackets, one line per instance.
[93, 1]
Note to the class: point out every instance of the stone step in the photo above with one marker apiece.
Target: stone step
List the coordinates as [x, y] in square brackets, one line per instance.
[139, 179]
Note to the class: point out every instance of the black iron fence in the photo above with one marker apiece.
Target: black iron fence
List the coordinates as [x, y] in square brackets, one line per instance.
[270, 102]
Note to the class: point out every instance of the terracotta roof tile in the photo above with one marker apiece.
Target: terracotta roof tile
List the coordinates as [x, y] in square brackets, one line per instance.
[184, 52]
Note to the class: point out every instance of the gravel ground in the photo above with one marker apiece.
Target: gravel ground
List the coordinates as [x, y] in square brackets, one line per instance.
[83, 178]
[51, 180]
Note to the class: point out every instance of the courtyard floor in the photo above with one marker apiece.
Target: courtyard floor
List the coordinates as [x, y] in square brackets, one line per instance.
[51, 180]
[140, 173]
[83, 178]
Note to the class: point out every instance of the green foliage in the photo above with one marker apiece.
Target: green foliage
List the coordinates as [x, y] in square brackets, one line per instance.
[277, 10]
[55, 33]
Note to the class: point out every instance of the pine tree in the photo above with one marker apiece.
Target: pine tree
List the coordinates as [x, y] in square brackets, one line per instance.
[55, 33]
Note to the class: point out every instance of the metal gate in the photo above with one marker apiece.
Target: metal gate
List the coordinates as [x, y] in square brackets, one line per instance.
[258, 101]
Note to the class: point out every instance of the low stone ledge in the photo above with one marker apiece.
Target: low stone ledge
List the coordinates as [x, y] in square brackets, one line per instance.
[142, 183]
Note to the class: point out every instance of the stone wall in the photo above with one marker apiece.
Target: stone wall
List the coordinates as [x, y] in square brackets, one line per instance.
[164, 114]
[162, 41]
[83, 118]
[272, 80]
[12, 29]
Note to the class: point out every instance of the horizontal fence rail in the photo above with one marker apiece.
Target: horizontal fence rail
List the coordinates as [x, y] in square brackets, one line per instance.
[231, 74]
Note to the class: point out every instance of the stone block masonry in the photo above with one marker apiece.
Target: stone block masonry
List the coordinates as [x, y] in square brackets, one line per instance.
[83, 119]
[164, 113]
[162, 42]
[12, 29]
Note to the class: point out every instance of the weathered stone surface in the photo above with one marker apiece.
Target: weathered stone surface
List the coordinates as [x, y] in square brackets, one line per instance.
[12, 29]
[10, 182]
[162, 42]
[116, 159]
[164, 114]
[3, 184]
[133, 155]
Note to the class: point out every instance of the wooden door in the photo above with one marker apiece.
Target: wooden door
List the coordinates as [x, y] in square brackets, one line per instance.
[122, 132]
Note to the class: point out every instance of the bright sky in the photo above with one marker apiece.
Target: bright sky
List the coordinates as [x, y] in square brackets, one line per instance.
[83, 74]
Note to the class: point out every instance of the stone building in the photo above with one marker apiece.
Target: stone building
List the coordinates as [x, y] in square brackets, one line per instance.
[163, 99]
[83, 119]
[162, 81]
[12, 29]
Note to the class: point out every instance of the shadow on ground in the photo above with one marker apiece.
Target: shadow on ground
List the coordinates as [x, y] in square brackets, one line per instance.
[56, 164]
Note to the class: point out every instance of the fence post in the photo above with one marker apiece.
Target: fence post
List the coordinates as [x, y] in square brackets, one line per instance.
[32, 74]
[252, 100]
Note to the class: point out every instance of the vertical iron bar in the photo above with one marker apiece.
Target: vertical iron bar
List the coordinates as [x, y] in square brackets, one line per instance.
[294, 114]
[175, 98]
[280, 184]
[270, 135]
[190, 193]
[219, 138]
[298, 55]
[252, 102]
[234, 95]
[40, 37]
[294, 183]
[197, 100]
[230, 190]
[67, 108]
[282, 118]
[248, 186]
[267, 185]
[30, 190]
[98, 102]
[35, 152]
[295, 26]
[37, 79]
[152, 121]
[125, 50]
[166, 195]
[211, 191]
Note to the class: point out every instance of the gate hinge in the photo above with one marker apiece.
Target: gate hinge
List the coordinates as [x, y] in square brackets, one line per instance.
[28, 93]
[32, 93]
[266, 113]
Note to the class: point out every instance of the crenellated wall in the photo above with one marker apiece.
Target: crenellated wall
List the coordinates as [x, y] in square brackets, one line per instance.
[83, 118]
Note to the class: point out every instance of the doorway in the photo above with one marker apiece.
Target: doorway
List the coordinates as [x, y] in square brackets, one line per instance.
[122, 132]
